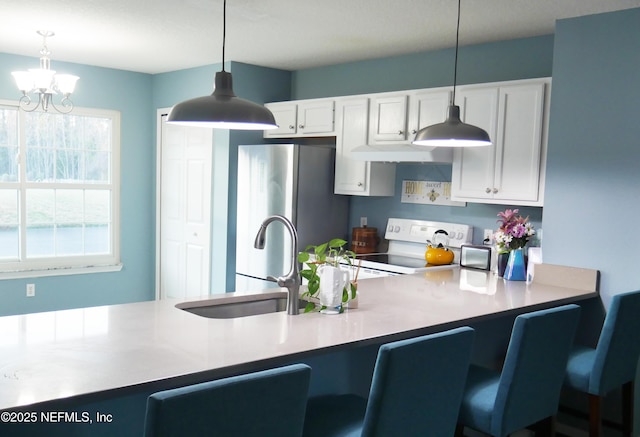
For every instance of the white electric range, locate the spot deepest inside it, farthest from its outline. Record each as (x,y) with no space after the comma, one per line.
(408,240)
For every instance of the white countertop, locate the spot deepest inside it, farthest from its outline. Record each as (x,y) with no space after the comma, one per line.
(53,355)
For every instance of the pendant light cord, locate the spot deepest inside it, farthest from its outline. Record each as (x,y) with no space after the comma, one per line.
(455,65)
(224,29)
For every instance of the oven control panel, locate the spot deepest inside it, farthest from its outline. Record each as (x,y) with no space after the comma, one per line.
(423,231)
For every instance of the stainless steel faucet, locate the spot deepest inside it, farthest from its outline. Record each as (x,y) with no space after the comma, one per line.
(292,280)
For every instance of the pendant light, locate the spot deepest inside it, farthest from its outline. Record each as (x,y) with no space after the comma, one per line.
(222,109)
(453,132)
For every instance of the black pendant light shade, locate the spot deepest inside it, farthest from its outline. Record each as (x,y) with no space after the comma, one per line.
(222,110)
(452,133)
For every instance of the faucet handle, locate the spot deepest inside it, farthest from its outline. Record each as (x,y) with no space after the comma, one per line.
(272,279)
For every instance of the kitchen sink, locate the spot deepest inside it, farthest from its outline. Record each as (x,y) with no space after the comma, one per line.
(231,307)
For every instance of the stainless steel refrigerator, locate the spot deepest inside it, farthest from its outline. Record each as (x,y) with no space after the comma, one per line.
(292,180)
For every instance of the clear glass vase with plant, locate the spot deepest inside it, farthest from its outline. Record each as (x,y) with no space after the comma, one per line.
(329,253)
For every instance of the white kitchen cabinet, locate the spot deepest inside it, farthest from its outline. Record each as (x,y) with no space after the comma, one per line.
(427,107)
(286,115)
(302,118)
(352,176)
(388,118)
(396,118)
(511,171)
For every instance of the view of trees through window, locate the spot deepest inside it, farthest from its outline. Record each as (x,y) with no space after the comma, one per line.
(56,187)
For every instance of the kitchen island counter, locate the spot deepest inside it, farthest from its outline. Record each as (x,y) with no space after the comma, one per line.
(63,354)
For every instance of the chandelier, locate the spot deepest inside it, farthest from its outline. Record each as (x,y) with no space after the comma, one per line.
(45,83)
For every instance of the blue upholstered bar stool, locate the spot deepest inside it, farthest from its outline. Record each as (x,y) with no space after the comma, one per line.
(415,391)
(267,403)
(612,363)
(527,390)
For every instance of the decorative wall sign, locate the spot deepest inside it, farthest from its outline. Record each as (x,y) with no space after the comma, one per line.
(428,193)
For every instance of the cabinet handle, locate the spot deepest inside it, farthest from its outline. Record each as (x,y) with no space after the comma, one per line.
(413,131)
(301,126)
(487,190)
(360,184)
(495,190)
(291,127)
(400,132)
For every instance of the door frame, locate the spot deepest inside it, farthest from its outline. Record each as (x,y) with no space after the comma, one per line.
(161,112)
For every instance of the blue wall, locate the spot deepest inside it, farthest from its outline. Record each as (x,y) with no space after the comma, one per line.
(593,182)
(130,93)
(507,60)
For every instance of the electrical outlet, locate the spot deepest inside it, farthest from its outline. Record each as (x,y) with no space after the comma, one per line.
(363,221)
(31,290)
(488,237)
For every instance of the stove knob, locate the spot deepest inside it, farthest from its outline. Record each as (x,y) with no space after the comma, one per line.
(396,228)
(390,228)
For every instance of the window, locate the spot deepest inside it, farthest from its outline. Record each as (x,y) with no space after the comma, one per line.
(59,190)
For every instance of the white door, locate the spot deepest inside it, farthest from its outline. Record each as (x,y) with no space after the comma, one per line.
(184,196)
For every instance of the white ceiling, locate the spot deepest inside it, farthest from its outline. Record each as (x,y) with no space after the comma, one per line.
(154,36)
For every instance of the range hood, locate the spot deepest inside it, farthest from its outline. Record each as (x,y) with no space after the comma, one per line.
(399,152)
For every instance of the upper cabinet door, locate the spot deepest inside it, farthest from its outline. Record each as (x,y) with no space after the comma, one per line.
(520,128)
(474,167)
(427,107)
(316,117)
(388,119)
(285,114)
(351,176)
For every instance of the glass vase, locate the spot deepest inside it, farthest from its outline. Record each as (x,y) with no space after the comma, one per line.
(516,267)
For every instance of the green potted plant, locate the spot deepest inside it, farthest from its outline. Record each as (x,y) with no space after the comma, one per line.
(316,259)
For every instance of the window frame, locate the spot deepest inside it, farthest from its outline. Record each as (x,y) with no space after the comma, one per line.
(68,265)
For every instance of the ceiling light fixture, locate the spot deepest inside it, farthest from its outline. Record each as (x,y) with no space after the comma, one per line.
(222,109)
(45,83)
(453,132)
